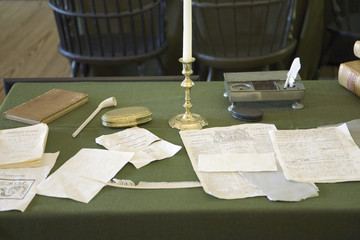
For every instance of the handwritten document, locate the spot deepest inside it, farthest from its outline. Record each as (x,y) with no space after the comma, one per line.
(71,180)
(326,154)
(146,146)
(17,185)
(23,147)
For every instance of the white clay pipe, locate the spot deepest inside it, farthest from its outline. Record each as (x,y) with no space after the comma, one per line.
(110,102)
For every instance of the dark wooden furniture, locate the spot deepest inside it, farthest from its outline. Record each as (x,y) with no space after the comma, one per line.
(237,35)
(110,32)
(343,31)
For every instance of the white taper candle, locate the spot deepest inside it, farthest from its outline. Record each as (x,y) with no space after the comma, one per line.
(187,32)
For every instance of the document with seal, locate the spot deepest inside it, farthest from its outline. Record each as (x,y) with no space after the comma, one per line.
(320,155)
(244,138)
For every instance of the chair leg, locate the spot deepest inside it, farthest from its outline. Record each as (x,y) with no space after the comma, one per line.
(210,74)
(139,68)
(160,66)
(81,69)
(84,70)
(74,68)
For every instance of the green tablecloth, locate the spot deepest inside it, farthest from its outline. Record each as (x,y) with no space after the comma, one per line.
(183,213)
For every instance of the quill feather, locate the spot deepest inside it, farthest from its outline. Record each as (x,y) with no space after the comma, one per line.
(123,183)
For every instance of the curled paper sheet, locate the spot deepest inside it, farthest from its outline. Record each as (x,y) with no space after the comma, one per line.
(277,188)
(69,181)
(146,146)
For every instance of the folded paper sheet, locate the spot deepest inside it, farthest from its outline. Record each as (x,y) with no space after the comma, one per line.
(23,146)
(146,146)
(326,154)
(71,179)
(277,188)
(17,185)
(235,162)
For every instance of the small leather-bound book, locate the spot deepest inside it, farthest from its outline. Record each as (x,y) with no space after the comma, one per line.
(47,107)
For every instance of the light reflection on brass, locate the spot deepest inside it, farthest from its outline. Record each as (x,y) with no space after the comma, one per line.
(188,120)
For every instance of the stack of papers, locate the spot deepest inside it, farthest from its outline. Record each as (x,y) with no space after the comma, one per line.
(258,160)
(23,147)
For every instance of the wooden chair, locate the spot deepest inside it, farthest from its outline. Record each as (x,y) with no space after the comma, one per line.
(110,32)
(343,31)
(235,35)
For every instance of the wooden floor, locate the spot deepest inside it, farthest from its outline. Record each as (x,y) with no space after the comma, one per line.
(28,42)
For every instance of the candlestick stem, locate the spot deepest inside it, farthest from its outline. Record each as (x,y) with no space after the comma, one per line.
(188,120)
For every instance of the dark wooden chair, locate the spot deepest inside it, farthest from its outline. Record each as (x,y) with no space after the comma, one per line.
(343,30)
(112,32)
(235,35)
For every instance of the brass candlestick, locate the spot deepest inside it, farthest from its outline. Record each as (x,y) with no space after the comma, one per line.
(188,120)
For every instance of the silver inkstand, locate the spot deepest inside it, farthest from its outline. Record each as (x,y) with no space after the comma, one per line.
(265,86)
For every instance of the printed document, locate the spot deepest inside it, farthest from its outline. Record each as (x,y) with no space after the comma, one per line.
(321,155)
(23,146)
(245,138)
(235,162)
(241,140)
(17,185)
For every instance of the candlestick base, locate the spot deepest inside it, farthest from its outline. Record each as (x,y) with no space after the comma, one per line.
(188,120)
(183,122)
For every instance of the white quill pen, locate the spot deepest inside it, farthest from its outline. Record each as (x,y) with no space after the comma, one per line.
(291,75)
(122,183)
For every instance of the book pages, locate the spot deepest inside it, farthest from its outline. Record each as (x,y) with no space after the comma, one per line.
(23,147)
